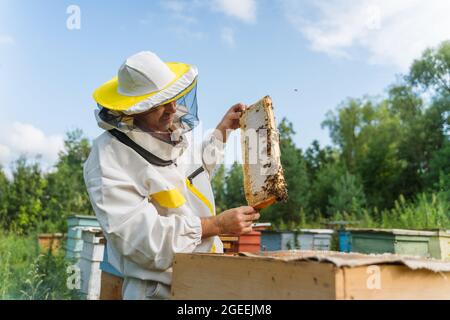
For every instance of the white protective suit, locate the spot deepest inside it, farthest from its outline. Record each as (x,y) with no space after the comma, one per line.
(148,213)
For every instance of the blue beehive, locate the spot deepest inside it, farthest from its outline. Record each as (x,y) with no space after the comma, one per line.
(275,240)
(105,266)
(76,224)
(345,241)
(315,239)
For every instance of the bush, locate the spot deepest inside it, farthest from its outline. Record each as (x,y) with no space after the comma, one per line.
(47,278)
(427,212)
(16,255)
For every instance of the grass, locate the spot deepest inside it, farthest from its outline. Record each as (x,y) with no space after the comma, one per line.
(426,212)
(28,273)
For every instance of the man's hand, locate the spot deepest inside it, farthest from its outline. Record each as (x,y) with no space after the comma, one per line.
(237,220)
(233,221)
(230,120)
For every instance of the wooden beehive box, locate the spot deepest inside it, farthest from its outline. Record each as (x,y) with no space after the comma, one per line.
(440,245)
(111,279)
(111,287)
(315,275)
(50,241)
(89,263)
(315,239)
(345,241)
(399,241)
(277,240)
(250,242)
(230,243)
(76,224)
(82,221)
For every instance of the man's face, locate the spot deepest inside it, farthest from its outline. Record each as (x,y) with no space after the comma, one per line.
(158,119)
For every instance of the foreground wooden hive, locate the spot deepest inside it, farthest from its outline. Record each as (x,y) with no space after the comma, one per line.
(264,181)
(285,275)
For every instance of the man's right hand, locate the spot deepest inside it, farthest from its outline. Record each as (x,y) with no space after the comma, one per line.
(233,221)
(237,220)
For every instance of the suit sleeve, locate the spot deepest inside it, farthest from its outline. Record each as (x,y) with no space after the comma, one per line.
(133,224)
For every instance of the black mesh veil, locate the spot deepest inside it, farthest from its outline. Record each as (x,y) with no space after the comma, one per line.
(186,117)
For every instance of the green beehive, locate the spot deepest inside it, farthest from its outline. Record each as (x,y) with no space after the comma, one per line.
(440,245)
(400,241)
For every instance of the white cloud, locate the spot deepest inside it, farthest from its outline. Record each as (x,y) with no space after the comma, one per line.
(175,5)
(182,11)
(6,39)
(5,154)
(393,32)
(244,10)
(185,10)
(25,139)
(182,14)
(227,36)
(186,16)
(186,33)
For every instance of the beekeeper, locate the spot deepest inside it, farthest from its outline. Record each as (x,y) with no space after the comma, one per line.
(151,197)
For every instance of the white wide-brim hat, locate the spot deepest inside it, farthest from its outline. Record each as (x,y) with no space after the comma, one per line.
(143,82)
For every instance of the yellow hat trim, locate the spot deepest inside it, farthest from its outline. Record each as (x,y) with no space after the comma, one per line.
(108,96)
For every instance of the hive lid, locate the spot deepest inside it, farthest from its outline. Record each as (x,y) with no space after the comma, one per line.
(405,232)
(80,216)
(80,220)
(317,231)
(341,259)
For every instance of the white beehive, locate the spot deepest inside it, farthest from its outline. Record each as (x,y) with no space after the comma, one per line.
(89,263)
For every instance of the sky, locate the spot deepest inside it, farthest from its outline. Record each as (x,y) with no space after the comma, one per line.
(309,56)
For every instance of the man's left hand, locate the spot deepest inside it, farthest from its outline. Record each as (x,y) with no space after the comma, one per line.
(230,120)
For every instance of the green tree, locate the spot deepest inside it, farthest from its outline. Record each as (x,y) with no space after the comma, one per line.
(66,191)
(438,176)
(347,195)
(432,70)
(234,190)
(25,197)
(413,139)
(295,172)
(345,127)
(218,185)
(436,122)
(316,158)
(322,188)
(4,193)
(368,135)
